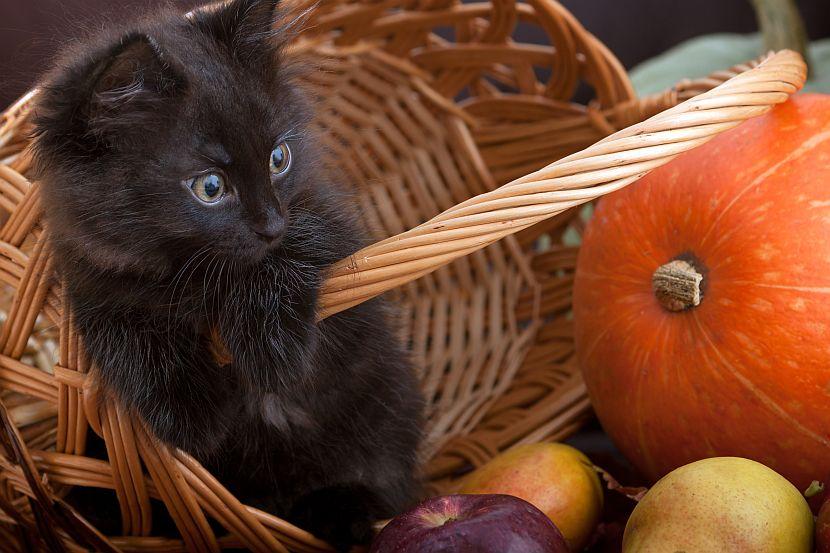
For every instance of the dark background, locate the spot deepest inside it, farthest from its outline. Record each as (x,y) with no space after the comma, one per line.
(31,31)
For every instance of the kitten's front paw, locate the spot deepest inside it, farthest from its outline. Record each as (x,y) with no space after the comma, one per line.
(198,434)
(340,515)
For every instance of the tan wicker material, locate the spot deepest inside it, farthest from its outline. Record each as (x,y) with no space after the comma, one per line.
(428,127)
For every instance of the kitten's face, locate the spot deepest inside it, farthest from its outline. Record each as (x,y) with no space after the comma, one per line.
(175,141)
(228,166)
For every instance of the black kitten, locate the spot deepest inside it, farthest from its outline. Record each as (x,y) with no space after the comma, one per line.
(184,200)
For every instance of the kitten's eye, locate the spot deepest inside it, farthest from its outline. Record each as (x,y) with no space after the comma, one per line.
(280,159)
(209,187)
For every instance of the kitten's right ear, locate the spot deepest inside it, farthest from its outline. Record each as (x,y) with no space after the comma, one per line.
(131,81)
(253,30)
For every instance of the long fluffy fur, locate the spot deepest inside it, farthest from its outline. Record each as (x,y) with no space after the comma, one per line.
(317,422)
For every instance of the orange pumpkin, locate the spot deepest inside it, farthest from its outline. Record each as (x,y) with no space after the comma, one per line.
(702,301)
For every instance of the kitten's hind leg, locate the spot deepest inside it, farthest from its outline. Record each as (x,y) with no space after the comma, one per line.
(342,515)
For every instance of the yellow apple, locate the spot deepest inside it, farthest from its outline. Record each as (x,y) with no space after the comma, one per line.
(558,479)
(719,505)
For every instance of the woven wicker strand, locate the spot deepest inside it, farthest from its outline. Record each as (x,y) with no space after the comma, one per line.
(427,125)
(609,165)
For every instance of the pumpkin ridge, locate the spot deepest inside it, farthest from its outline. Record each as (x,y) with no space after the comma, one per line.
(590,350)
(614,277)
(808,145)
(645,451)
(794,288)
(765,400)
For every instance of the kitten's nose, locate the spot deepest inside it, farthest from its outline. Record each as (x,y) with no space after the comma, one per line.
(271,229)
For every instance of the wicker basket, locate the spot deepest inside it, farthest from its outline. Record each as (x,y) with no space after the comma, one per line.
(430,126)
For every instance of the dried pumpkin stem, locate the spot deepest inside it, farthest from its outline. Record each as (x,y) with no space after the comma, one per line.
(677,285)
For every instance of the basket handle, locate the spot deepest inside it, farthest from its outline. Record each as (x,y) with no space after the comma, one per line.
(604,167)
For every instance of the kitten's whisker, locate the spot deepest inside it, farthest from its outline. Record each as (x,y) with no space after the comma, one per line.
(208,282)
(200,254)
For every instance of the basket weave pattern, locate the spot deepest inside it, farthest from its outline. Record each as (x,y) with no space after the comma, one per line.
(431,128)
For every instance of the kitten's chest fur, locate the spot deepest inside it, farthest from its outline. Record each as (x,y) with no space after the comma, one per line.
(286,415)
(262,320)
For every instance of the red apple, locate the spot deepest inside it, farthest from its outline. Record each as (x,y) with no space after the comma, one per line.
(823,528)
(486,523)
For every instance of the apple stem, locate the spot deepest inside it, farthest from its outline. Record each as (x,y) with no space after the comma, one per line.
(677,285)
(815,488)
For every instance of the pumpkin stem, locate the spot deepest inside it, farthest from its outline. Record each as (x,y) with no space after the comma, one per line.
(782,26)
(677,285)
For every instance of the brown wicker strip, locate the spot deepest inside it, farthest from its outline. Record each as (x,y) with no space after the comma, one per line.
(48,510)
(227,509)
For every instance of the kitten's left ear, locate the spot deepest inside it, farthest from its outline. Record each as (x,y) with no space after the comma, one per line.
(132,80)
(136,61)
(246,27)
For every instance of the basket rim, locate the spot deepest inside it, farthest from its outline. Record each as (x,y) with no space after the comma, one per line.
(608,165)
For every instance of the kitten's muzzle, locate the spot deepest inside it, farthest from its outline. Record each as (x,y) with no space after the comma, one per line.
(271,230)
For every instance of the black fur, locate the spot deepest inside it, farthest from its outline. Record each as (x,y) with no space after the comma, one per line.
(319,422)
